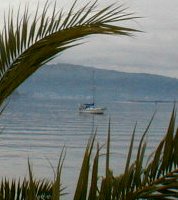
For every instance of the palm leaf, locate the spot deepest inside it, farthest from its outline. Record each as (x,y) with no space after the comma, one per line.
(94,179)
(82,185)
(32,189)
(21,189)
(56,189)
(159,180)
(29,42)
(106,184)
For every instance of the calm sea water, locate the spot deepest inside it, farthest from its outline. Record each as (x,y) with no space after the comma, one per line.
(39,126)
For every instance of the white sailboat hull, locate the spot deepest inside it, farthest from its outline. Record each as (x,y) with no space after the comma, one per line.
(94,110)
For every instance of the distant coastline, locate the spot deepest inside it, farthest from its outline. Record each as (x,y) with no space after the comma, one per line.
(63,80)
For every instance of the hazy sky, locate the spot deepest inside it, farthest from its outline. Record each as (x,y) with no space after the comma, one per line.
(154,51)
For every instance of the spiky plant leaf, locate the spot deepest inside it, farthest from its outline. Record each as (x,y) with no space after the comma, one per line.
(160,179)
(32,194)
(21,189)
(106,185)
(56,189)
(140,157)
(29,42)
(82,185)
(108,149)
(94,180)
(175,157)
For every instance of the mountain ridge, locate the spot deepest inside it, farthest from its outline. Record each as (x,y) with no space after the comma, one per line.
(66,79)
(68,65)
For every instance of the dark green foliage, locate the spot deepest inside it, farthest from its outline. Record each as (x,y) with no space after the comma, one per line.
(25,190)
(33,189)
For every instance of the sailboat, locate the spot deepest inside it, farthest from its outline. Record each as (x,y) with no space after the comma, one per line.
(91,107)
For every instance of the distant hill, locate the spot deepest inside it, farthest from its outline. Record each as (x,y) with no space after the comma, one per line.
(74,80)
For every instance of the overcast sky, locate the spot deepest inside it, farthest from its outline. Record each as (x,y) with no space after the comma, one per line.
(155,51)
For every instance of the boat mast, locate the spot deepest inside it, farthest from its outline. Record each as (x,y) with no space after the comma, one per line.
(94,87)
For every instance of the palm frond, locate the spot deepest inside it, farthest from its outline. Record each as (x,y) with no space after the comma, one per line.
(20,190)
(56,189)
(157,180)
(162,172)
(82,185)
(94,179)
(29,42)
